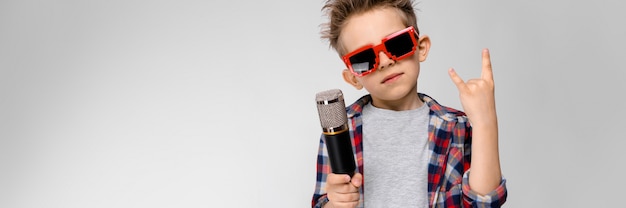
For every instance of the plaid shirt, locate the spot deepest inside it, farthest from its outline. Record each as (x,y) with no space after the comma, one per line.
(450,140)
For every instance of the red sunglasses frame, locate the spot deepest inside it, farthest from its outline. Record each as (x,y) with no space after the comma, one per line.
(381,47)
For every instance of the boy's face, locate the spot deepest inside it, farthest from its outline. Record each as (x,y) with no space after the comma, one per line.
(392,80)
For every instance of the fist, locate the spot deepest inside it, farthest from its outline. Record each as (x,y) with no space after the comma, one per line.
(343,191)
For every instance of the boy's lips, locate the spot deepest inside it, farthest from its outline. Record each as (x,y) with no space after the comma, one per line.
(391,78)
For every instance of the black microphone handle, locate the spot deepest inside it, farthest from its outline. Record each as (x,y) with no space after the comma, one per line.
(340,153)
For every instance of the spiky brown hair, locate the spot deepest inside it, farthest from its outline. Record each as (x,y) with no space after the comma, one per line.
(338,11)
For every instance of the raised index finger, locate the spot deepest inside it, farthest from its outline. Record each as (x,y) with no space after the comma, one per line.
(487,72)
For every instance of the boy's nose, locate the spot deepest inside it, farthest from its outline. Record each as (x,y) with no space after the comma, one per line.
(385,61)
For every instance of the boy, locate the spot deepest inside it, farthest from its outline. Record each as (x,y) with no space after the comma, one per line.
(410,151)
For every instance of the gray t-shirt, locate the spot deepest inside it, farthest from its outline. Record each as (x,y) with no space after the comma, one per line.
(395,157)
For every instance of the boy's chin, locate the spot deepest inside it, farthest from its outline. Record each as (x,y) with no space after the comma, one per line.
(395,95)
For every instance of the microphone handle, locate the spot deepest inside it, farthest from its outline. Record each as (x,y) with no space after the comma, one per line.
(340,153)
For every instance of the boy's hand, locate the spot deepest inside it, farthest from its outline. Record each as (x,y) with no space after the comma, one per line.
(477,98)
(343,191)
(477,95)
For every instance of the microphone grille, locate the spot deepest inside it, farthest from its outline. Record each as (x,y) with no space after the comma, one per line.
(331,108)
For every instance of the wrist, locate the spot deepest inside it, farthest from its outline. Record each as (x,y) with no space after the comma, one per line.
(484,122)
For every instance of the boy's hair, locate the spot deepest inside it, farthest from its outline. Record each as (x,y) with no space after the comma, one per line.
(338,11)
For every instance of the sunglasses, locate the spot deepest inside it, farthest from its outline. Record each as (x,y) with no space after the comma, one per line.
(396,46)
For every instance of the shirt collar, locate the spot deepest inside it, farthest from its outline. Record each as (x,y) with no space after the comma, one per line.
(437,109)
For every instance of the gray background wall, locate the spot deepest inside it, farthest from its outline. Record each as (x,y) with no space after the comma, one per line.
(210,104)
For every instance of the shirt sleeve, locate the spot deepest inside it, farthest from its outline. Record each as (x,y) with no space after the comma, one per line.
(323,169)
(495,198)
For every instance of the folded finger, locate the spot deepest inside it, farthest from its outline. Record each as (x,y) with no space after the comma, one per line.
(348,197)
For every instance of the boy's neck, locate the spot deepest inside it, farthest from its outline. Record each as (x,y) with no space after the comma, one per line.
(409,102)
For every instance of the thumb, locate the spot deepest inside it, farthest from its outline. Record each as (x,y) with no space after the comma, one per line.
(357,180)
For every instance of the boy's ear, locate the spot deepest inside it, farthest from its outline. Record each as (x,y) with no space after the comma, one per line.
(351,79)
(424,46)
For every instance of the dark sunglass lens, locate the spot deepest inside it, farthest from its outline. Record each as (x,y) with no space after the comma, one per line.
(363,61)
(400,45)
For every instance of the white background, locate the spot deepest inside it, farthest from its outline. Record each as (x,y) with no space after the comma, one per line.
(191,103)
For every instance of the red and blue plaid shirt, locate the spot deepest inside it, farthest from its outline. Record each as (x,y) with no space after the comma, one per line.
(450,140)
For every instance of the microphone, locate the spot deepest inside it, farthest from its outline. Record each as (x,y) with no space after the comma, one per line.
(332,112)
